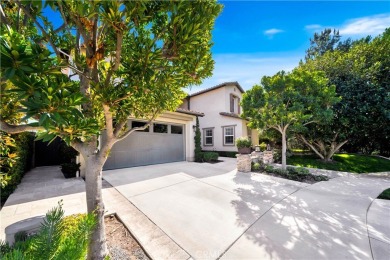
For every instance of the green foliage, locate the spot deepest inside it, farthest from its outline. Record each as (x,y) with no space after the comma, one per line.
(210,156)
(147,53)
(343,162)
(256,167)
(263,146)
(277,153)
(322,42)
(226,154)
(198,147)
(289,101)
(296,174)
(243,142)
(359,70)
(19,148)
(385,195)
(57,238)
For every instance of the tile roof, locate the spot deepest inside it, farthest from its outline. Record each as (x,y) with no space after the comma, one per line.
(189,112)
(230,114)
(219,86)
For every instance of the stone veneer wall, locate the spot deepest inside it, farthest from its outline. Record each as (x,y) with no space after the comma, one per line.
(244,162)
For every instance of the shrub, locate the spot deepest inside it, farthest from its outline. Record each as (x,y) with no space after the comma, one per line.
(243,142)
(263,146)
(69,169)
(277,155)
(269,168)
(256,166)
(20,148)
(197,139)
(57,238)
(210,156)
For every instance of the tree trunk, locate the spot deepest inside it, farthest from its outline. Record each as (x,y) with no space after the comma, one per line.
(284,149)
(93,185)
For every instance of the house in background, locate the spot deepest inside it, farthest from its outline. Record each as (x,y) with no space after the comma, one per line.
(221,123)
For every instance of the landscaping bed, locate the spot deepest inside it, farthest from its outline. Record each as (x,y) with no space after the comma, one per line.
(291,173)
(355,163)
(120,242)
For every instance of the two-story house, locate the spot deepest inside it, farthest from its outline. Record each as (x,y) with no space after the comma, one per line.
(221,123)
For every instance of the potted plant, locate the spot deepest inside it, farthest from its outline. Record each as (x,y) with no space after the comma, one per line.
(69,169)
(244,145)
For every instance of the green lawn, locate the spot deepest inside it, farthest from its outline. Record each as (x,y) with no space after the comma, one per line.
(385,195)
(343,162)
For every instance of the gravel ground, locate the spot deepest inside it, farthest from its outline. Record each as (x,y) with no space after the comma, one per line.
(121,244)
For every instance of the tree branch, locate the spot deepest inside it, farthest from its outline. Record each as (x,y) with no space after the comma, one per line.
(108,117)
(118,53)
(45,34)
(303,139)
(15,129)
(4,19)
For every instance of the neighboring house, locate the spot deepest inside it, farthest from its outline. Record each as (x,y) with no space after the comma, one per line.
(221,123)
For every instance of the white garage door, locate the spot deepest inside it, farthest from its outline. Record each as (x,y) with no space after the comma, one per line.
(162,143)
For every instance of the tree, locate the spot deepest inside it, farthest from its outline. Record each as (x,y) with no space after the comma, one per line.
(127,58)
(323,42)
(361,121)
(289,101)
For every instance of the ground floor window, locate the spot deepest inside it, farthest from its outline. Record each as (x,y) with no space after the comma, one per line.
(208,136)
(228,135)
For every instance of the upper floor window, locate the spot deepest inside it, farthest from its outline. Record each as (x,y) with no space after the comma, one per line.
(228,135)
(208,136)
(234,104)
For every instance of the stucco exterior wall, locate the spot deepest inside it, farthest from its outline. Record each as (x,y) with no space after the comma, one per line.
(211,104)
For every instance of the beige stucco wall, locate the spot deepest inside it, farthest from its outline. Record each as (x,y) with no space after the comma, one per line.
(211,104)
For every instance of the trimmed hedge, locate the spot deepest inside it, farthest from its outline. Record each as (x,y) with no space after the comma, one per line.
(210,156)
(23,149)
(227,154)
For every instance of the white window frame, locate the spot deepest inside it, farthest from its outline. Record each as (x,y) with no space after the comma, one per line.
(205,136)
(225,135)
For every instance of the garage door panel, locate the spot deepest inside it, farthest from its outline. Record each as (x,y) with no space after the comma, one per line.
(143,148)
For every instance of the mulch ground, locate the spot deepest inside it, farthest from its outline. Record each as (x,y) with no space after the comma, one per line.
(121,244)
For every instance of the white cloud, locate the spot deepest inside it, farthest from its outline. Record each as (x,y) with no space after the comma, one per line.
(359,27)
(271,32)
(247,69)
(369,25)
(313,27)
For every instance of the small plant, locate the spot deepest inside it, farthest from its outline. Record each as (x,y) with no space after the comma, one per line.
(263,146)
(256,166)
(69,169)
(243,142)
(197,139)
(269,168)
(277,155)
(57,238)
(210,156)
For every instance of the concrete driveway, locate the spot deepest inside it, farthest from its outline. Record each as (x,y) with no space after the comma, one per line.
(211,211)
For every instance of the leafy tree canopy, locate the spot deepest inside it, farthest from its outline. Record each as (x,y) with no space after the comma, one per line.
(289,101)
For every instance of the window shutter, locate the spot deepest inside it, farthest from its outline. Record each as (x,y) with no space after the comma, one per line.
(231,103)
(238,106)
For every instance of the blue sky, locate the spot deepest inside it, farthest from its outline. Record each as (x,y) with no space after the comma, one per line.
(257,38)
